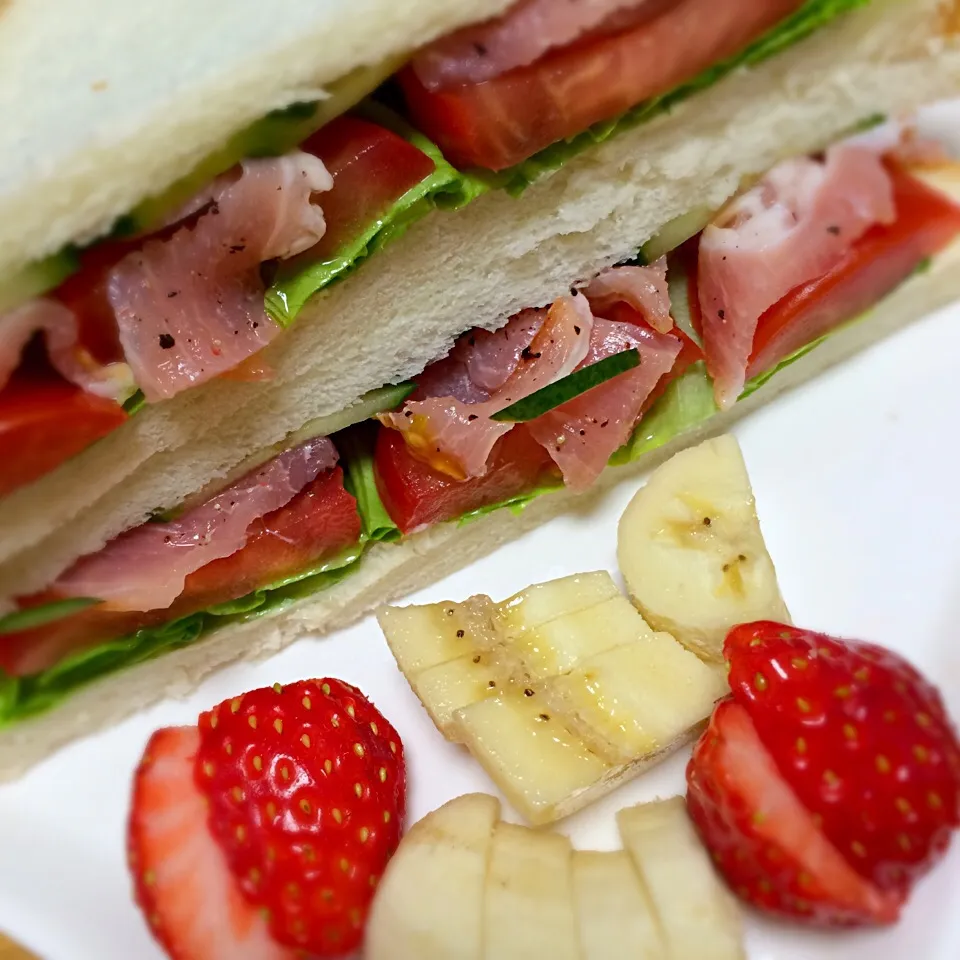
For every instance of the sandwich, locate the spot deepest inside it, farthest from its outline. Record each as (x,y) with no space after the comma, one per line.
(304,307)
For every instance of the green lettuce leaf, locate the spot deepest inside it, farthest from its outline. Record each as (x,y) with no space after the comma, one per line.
(44,614)
(805,21)
(356,457)
(446,188)
(686,402)
(22,697)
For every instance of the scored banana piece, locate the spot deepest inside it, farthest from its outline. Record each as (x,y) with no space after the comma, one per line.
(691,551)
(464,885)
(561,692)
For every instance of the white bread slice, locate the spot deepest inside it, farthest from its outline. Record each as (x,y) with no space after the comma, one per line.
(389,571)
(105,102)
(476,267)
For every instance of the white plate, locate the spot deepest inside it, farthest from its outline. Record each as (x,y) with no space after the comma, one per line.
(856,477)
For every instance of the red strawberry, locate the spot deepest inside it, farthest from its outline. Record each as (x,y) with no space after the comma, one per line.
(766,844)
(306,792)
(862,739)
(181,878)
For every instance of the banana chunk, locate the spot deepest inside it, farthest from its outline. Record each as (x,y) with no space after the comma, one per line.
(697,913)
(691,551)
(429,904)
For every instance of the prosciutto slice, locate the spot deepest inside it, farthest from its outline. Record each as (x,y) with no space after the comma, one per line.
(584,433)
(145,568)
(643,288)
(480,361)
(792,227)
(190,306)
(456,437)
(527,31)
(68,356)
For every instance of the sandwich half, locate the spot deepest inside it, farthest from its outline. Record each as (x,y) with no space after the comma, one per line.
(265,370)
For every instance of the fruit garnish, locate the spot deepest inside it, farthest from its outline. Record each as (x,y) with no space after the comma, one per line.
(863,740)
(264,831)
(691,550)
(181,879)
(764,841)
(830,781)
(560,692)
(465,885)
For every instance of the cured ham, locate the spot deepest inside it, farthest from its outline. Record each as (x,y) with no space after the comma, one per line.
(190,306)
(584,433)
(58,324)
(792,227)
(521,36)
(145,568)
(447,425)
(643,288)
(455,437)
(480,361)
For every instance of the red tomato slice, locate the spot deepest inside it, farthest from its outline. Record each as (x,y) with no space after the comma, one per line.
(881,260)
(371,168)
(85,293)
(875,265)
(321,520)
(44,421)
(415,495)
(500,122)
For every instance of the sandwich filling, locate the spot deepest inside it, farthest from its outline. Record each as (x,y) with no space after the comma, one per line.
(634,357)
(194,284)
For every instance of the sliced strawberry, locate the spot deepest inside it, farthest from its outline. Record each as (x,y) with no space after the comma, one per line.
(863,740)
(181,879)
(306,790)
(766,844)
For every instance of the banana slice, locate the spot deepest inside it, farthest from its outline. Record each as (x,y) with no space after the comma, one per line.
(528,906)
(429,904)
(691,551)
(696,913)
(614,914)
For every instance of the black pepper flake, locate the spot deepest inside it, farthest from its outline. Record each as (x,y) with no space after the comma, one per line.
(605,422)
(491,684)
(707,521)
(576,330)
(583,433)
(166,341)
(459,634)
(721,314)
(408,413)
(472,417)
(528,692)
(172,294)
(835,230)
(476,659)
(481,49)
(544,716)
(256,323)
(238,247)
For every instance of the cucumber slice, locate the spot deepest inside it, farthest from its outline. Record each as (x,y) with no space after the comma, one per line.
(37,278)
(675,233)
(44,614)
(559,392)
